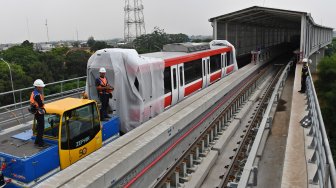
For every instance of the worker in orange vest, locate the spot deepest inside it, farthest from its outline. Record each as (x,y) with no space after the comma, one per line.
(304,75)
(37,108)
(104,90)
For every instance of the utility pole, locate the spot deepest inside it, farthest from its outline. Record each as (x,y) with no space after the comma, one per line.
(10,73)
(77,33)
(134,22)
(46,24)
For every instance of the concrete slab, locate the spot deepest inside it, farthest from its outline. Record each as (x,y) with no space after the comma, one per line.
(295,168)
(244,111)
(227,134)
(203,170)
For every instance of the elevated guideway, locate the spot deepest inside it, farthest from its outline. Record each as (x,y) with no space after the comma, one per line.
(203,141)
(221,136)
(141,156)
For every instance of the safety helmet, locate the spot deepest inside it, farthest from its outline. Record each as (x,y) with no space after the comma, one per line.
(102,70)
(305,60)
(39,83)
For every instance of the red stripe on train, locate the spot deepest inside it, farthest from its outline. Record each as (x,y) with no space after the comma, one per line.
(192,88)
(167,101)
(215,76)
(183,59)
(229,69)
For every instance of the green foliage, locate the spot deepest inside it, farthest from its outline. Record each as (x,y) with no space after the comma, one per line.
(76,62)
(91,41)
(154,41)
(331,48)
(98,45)
(326,90)
(21,55)
(27,44)
(27,65)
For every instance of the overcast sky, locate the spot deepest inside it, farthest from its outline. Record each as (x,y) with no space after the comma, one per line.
(104,19)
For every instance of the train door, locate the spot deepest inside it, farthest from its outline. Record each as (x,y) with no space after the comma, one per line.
(206,71)
(223,60)
(181,81)
(174,84)
(177,79)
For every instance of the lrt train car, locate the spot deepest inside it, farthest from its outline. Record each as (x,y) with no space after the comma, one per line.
(190,67)
(147,84)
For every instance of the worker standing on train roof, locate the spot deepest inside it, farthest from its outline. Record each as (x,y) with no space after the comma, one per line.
(104,90)
(37,108)
(304,75)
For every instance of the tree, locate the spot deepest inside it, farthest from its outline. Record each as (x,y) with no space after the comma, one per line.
(22,55)
(178,38)
(98,45)
(20,80)
(75,44)
(76,63)
(331,48)
(54,60)
(326,90)
(26,43)
(154,41)
(91,41)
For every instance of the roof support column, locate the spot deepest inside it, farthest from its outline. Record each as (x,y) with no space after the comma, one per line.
(303,35)
(215,29)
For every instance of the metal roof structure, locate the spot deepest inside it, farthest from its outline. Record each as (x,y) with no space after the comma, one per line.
(266,16)
(264,28)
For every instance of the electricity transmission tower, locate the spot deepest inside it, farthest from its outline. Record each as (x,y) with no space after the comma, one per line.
(134,25)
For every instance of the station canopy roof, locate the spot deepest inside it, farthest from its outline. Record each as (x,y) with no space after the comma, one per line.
(269,17)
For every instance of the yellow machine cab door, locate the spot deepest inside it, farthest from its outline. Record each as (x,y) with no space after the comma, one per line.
(80,135)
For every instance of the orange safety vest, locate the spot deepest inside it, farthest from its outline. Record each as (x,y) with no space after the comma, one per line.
(32,98)
(104,83)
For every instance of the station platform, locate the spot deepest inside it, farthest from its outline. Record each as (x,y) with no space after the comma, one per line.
(295,164)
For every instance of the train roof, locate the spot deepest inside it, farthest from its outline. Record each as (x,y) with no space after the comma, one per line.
(170,54)
(62,105)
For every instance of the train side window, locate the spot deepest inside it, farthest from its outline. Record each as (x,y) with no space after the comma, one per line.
(192,71)
(215,62)
(136,83)
(64,133)
(228,58)
(167,80)
(181,75)
(174,78)
(83,124)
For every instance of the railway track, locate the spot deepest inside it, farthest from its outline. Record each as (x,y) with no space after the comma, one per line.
(219,133)
(179,147)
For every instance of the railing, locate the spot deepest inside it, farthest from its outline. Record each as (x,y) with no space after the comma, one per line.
(325,174)
(17,111)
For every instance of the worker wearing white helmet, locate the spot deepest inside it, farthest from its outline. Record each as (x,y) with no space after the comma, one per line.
(37,108)
(104,90)
(304,75)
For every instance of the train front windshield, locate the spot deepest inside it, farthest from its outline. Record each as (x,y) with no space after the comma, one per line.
(80,126)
